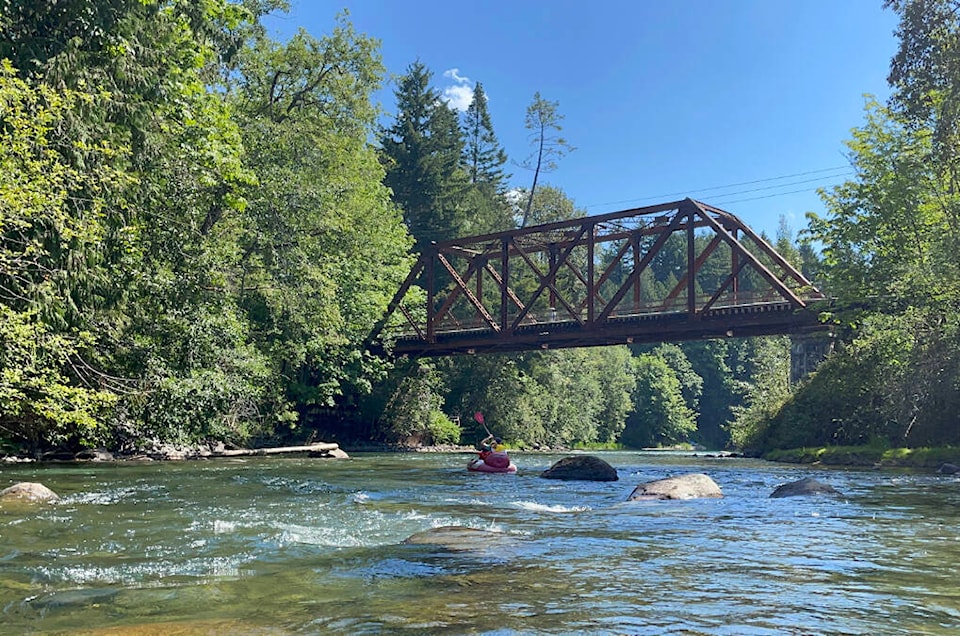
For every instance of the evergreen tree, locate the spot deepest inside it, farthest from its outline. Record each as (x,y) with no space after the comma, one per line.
(925,76)
(482,154)
(543,121)
(421,154)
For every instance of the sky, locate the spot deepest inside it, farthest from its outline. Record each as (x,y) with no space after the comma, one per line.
(742,104)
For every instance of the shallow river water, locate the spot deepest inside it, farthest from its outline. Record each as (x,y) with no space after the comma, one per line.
(315,546)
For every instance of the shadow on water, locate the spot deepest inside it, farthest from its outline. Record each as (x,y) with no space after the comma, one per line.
(296,545)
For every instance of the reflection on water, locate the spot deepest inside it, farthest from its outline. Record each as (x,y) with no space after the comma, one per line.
(298,545)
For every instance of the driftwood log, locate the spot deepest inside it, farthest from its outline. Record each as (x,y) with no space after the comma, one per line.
(312,448)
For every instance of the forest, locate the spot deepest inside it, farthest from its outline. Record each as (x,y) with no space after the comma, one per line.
(200,226)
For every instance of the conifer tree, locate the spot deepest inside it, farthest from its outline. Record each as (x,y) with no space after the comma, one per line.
(483,155)
(543,121)
(421,153)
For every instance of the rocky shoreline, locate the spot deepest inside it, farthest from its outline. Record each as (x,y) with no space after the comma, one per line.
(217,449)
(172,452)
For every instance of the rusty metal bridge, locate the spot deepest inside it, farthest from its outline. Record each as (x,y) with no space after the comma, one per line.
(676,271)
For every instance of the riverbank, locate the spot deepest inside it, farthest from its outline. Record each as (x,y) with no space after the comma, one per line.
(943,459)
(878,457)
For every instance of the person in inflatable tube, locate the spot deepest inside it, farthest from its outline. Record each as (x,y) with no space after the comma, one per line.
(491,444)
(493,457)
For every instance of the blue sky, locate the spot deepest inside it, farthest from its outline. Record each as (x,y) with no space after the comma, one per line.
(720,100)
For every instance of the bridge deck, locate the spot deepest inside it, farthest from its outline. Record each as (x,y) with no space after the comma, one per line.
(729,322)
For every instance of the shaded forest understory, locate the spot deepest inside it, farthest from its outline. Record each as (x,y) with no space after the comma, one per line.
(199,227)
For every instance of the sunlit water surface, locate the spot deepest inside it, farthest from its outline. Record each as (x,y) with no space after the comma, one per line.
(299,545)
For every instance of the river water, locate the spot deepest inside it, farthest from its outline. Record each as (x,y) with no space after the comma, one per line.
(315,546)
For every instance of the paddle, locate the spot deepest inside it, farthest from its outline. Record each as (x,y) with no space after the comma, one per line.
(479,417)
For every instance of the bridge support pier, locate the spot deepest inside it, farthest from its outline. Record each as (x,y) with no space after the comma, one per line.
(807,351)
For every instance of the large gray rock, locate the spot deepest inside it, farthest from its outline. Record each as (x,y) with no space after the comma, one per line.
(95,455)
(802,487)
(581,467)
(28,491)
(335,453)
(689,486)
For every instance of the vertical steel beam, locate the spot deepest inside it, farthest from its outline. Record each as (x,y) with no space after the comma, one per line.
(505,283)
(552,282)
(591,273)
(691,266)
(635,242)
(735,267)
(481,261)
(431,284)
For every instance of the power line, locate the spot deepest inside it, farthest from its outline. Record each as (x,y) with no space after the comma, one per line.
(770,196)
(780,185)
(734,185)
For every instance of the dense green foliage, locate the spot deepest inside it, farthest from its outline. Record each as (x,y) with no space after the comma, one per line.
(199,226)
(889,247)
(184,210)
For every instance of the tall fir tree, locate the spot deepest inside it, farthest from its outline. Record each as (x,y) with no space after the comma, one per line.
(483,155)
(421,154)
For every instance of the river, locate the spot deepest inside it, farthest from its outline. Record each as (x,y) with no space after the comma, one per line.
(288,545)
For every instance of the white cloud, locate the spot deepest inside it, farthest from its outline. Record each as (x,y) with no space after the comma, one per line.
(459,95)
(454,74)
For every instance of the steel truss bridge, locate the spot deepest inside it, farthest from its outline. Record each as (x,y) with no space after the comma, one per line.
(676,271)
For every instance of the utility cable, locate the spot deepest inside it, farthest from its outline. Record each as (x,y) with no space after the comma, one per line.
(662,197)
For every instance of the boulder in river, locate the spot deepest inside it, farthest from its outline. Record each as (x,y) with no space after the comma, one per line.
(801,487)
(335,453)
(688,486)
(581,467)
(95,455)
(28,491)
(458,538)
(948,469)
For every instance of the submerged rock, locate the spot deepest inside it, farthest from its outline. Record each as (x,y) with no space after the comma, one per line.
(458,538)
(689,486)
(29,491)
(581,467)
(805,486)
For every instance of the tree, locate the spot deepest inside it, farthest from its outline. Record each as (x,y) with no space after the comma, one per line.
(421,153)
(890,241)
(887,234)
(141,289)
(691,384)
(660,416)
(713,362)
(483,160)
(766,389)
(551,204)
(925,75)
(35,32)
(322,247)
(50,232)
(194,234)
(543,121)
(413,415)
(483,155)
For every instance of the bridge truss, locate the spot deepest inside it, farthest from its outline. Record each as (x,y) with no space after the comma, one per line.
(676,271)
